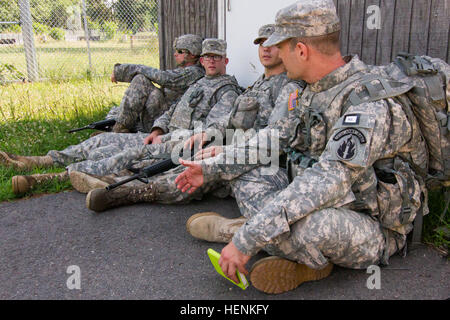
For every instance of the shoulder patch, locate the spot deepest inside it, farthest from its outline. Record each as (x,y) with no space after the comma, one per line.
(293,100)
(351,132)
(347,149)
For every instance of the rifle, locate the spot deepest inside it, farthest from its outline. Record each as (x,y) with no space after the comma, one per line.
(103,125)
(147,172)
(150,171)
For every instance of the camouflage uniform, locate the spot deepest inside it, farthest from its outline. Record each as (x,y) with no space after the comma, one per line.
(352,195)
(166,191)
(143,102)
(209,101)
(266,101)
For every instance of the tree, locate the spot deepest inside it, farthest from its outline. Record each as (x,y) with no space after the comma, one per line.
(136,15)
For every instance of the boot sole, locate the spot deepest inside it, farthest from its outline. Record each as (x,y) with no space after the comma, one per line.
(20,185)
(83,183)
(276,275)
(6,160)
(88,201)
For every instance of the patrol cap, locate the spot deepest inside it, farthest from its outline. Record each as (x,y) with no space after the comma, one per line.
(264,33)
(306,18)
(214,46)
(190,42)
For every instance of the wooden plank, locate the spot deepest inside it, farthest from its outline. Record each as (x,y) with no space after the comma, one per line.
(355,36)
(180,17)
(439,29)
(402,27)
(344,16)
(369,41)
(161,37)
(420,22)
(386,33)
(212,19)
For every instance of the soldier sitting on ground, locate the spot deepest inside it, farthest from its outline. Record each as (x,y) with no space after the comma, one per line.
(143,103)
(263,103)
(351,195)
(209,101)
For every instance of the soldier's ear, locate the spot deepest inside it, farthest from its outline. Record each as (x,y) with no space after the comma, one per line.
(226,61)
(302,51)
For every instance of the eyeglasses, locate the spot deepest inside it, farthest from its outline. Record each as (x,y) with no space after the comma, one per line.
(212,58)
(182,51)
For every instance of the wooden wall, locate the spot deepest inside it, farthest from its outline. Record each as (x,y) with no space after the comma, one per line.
(416,26)
(178,17)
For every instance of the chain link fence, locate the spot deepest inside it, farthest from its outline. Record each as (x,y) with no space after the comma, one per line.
(67,39)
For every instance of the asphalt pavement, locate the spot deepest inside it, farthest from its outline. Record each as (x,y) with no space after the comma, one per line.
(53,247)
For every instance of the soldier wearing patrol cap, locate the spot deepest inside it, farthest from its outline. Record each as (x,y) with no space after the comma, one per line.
(209,102)
(143,102)
(262,97)
(254,109)
(350,193)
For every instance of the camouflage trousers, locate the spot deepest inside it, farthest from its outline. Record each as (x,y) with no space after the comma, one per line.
(102,153)
(337,235)
(141,105)
(166,191)
(110,153)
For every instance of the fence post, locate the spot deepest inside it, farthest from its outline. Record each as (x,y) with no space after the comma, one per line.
(28,39)
(86,35)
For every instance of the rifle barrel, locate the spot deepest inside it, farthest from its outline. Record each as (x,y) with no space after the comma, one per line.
(78,129)
(118,184)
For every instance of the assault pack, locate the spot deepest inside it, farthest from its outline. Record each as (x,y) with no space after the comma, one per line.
(425,82)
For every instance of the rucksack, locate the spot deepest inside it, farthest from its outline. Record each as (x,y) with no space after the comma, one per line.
(430,98)
(428,95)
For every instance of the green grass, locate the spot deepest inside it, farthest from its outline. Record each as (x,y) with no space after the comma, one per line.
(35,118)
(69,60)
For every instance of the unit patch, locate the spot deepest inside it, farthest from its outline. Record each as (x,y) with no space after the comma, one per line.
(347,149)
(351,139)
(353,132)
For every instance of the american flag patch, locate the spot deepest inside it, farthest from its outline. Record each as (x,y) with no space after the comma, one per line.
(293,100)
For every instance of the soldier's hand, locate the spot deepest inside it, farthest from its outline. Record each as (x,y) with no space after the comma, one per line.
(191,178)
(113,78)
(199,139)
(157,140)
(208,152)
(154,137)
(231,259)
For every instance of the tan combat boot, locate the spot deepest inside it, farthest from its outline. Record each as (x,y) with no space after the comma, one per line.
(25,162)
(83,182)
(120,128)
(277,275)
(23,184)
(212,227)
(100,200)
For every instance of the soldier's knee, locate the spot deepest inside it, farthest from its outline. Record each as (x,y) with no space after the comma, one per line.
(142,80)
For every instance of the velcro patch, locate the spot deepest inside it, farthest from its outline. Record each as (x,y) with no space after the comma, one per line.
(293,100)
(351,119)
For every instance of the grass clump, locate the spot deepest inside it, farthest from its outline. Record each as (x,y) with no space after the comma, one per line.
(35,118)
